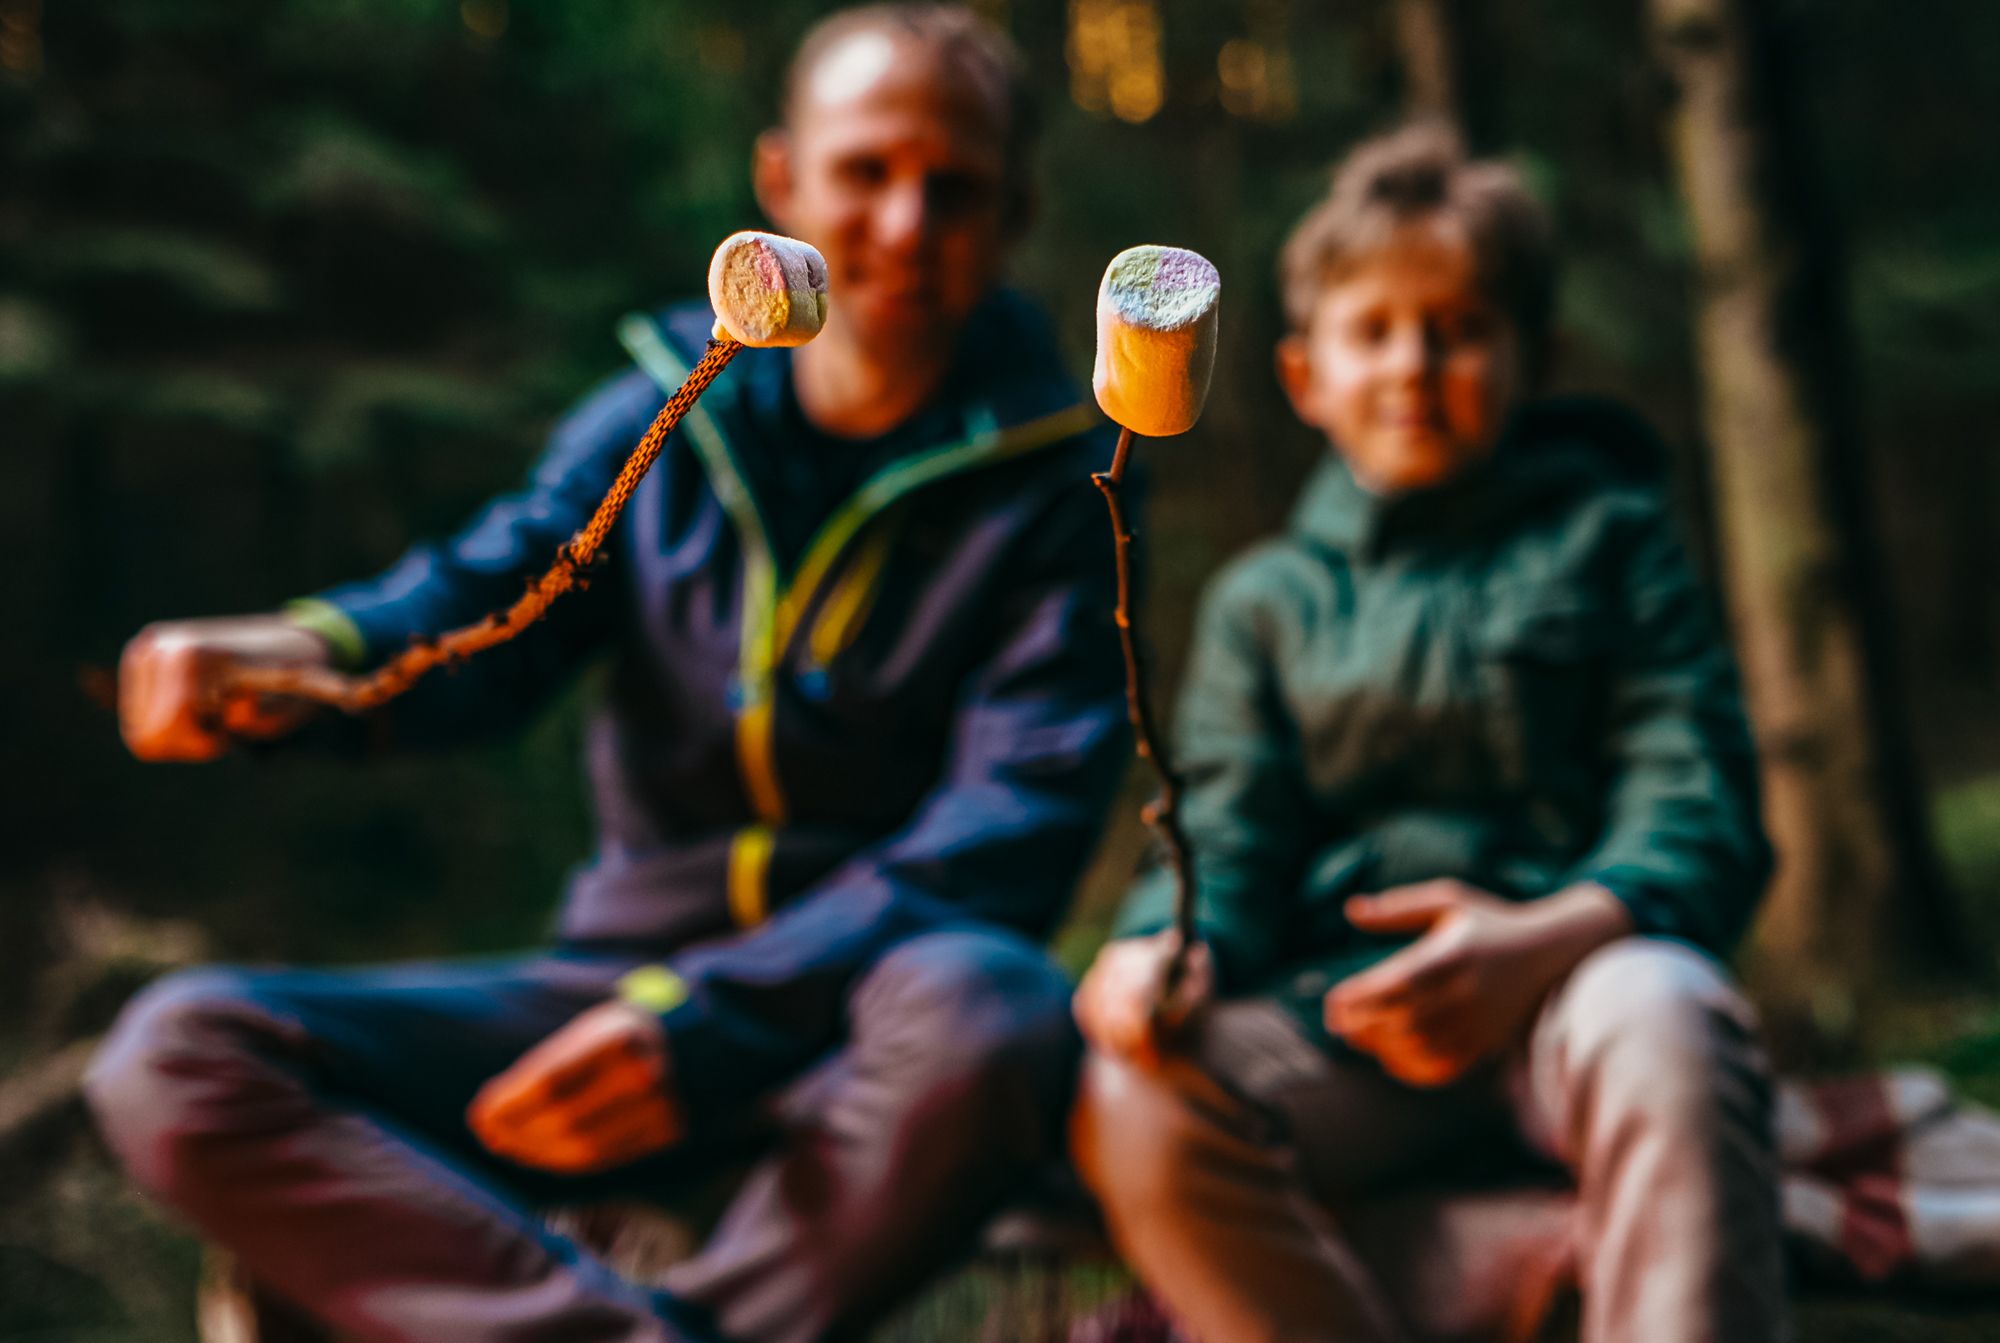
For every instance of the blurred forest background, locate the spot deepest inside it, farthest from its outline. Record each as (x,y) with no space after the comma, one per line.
(284,286)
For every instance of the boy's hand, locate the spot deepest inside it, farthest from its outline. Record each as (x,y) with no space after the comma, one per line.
(1119,1005)
(592,1096)
(1466,988)
(173,699)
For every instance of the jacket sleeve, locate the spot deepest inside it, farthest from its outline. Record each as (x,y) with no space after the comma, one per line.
(1682,845)
(1036,751)
(1246,807)
(437,587)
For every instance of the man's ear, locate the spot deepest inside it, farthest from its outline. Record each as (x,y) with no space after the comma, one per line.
(771,175)
(1293,358)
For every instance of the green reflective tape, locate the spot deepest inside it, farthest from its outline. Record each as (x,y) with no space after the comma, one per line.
(652,987)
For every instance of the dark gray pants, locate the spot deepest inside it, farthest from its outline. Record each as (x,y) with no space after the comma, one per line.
(312,1122)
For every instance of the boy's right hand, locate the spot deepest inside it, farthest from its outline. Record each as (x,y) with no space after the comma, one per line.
(173,684)
(1120,1006)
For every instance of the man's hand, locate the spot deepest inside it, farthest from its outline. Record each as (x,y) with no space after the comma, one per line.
(592,1096)
(1119,1006)
(1465,989)
(173,697)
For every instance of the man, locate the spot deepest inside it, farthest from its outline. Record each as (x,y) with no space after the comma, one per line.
(851,760)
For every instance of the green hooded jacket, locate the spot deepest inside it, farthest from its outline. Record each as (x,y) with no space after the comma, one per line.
(1513,679)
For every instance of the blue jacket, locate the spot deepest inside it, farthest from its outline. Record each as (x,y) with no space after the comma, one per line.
(918,723)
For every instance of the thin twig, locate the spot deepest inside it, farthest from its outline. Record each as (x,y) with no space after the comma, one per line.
(1163,812)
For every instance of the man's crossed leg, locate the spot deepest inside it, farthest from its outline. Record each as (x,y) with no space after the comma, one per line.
(313,1122)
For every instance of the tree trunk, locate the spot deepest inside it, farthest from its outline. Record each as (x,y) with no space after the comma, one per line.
(1424,34)
(1856,890)
(1448,60)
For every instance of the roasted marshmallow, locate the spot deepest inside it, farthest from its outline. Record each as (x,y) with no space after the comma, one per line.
(1156,316)
(767,290)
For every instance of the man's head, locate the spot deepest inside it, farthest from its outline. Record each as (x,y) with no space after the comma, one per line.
(1419,294)
(902,154)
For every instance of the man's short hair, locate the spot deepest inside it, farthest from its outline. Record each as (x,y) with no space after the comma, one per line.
(961,37)
(1405,177)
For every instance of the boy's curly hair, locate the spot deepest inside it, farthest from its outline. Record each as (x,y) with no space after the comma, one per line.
(1419,172)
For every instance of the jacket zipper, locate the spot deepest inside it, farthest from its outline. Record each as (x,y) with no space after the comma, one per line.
(772,610)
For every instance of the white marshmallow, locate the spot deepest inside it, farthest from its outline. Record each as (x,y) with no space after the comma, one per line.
(767,290)
(1156,321)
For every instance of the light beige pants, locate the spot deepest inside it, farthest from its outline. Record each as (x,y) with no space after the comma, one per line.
(1222,1175)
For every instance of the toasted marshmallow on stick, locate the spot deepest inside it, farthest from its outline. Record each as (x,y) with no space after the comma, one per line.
(767,290)
(1156,316)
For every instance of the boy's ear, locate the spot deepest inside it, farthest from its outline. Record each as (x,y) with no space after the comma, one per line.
(771,175)
(1295,373)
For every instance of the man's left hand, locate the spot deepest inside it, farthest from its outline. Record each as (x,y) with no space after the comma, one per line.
(594,1095)
(1465,989)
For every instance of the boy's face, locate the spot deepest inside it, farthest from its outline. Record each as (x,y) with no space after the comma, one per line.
(894,166)
(1406,366)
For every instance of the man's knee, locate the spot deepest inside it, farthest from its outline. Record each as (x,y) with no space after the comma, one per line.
(176,1068)
(972,1023)
(967,970)
(965,993)
(172,1019)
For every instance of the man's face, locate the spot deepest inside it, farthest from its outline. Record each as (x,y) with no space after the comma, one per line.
(1407,367)
(894,166)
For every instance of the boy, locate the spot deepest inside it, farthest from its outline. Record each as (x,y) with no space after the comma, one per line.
(1473,806)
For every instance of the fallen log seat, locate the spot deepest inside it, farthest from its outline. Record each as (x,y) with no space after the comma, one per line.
(1468,1267)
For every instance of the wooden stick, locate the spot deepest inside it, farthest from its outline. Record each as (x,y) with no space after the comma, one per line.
(1163,812)
(359,694)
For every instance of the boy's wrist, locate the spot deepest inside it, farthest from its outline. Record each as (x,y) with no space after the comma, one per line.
(1576,921)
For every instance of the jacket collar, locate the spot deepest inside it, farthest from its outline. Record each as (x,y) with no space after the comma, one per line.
(1550,449)
(1338,511)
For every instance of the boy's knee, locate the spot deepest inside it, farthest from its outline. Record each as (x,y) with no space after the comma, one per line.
(1132,1138)
(1663,993)
(1651,1025)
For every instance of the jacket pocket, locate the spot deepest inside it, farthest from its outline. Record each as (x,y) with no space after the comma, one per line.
(1544,666)
(1546,627)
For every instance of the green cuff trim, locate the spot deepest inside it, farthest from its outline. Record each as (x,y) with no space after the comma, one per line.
(329,622)
(652,987)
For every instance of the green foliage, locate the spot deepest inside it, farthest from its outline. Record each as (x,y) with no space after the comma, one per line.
(331,164)
(204,275)
(367,410)
(33,340)
(201,399)
(1932,314)
(50,1301)
(1965,818)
